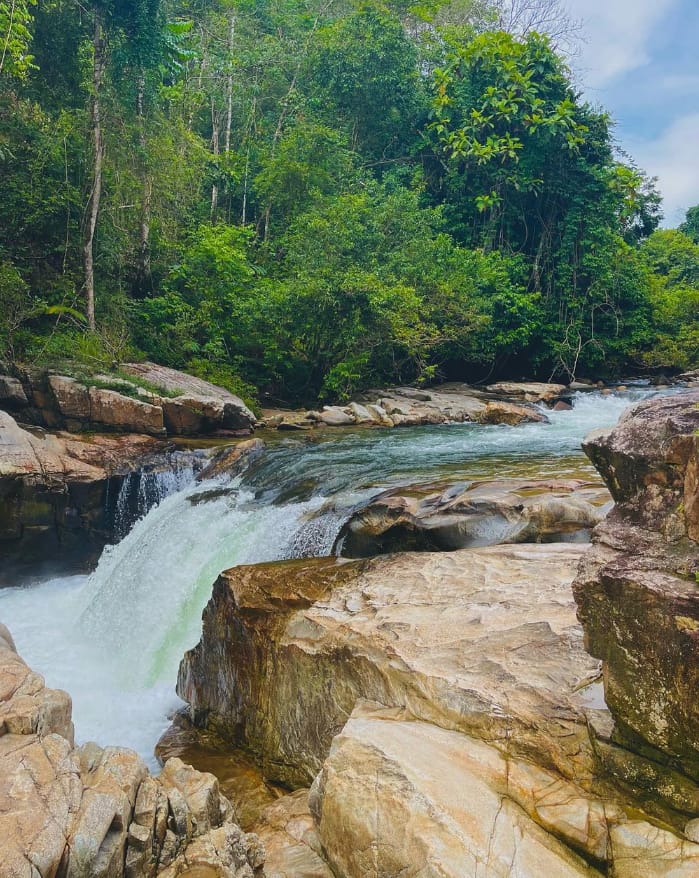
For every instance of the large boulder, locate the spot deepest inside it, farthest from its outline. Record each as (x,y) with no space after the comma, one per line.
(484,641)
(95,812)
(139,398)
(192,405)
(637,592)
(445,711)
(529,391)
(471,515)
(82,407)
(399,797)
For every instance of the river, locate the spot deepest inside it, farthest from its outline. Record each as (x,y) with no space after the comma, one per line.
(114,639)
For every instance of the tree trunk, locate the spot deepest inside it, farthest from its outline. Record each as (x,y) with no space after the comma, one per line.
(216,149)
(93,204)
(143,264)
(229,89)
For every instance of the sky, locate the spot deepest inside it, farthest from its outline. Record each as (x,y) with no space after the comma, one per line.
(640,61)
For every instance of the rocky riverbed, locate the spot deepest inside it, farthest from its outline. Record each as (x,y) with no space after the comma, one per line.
(403,690)
(431,713)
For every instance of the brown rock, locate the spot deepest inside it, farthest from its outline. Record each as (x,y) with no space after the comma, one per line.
(291,841)
(443,804)
(94,812)
(54,490)
(306,639)
(636,592)
(511,414)
(334,416)
(12,395)
(27,707)
(108,408)
(218,407)
(487,513)
(530,391)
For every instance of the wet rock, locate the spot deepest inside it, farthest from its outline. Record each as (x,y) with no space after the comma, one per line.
(636,591)
(54,492)
(488,513)
(531,391)
(231,460)
(510,414)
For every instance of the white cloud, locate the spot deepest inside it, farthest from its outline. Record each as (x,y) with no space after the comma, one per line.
(616,33)
(672,158)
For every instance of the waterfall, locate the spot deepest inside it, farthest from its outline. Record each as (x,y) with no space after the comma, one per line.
(142,490)
(114,639)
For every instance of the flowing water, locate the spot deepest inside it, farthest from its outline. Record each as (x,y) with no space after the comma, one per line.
(114,639)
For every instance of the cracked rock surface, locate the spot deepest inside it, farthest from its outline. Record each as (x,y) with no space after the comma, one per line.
(445,713)
(93,812)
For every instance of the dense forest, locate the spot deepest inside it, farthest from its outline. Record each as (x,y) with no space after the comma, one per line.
(301,198)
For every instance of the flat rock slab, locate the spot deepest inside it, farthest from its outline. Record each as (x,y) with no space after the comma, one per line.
(56,457)
(484,641)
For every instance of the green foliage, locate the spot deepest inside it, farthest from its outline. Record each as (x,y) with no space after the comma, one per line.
(225,376)
(308,199)
(690,226)
(16,308)
(15,38)
(365,70)
(673,258)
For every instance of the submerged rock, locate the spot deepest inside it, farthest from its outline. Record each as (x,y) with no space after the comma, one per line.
(96,811)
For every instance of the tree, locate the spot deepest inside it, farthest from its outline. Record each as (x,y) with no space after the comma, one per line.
(16,37)
(690,226)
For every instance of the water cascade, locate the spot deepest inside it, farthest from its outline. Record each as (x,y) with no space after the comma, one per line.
(114,639)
